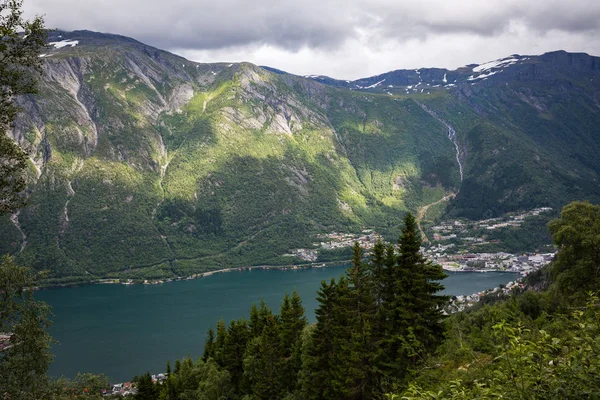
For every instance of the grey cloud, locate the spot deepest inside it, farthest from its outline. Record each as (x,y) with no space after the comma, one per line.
(206,24)
(487,18)
(569,17)
(316,24)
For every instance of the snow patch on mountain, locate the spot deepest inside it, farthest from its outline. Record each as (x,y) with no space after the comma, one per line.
(483,76)
(64,43)
(375,85)
(503,62)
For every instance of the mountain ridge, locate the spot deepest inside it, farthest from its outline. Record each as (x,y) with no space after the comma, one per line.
(178,167)
(409,77)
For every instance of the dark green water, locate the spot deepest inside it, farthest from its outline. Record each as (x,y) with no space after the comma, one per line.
(122,331)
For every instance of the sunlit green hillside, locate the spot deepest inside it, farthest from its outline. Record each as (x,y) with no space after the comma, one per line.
(147,165)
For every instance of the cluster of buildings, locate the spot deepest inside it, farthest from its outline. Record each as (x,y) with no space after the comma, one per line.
(483,262)
(453,256)
(305,254)
(329,241)
(466,234)
(120,389)
(457,255)
(460,303)
(334,240)
(458,229)
(128,388)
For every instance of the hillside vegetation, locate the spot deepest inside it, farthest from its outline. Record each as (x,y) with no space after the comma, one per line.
(379,334)
(145,165)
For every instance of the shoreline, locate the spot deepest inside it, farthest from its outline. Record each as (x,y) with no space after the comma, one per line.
(483,271)
(130,281)
(290,267)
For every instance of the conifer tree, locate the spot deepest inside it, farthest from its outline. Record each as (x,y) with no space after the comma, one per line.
(389,278)
(209,345)
(342,334)
(168,390)
(361,286)
(381,262)
(425,284)
(188,378)
(254,323)
(317,363)
(292,322)
(146,389)
(377,267)
(261,361)
(357,350)
(258,318)
(414,322)
(234,349)
(220,343)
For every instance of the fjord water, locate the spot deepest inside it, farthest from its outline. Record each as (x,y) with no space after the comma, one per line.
(123,331)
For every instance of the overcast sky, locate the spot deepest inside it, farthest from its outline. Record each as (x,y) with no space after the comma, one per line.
(345,39)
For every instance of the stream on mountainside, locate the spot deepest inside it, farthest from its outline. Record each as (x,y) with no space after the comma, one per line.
(451,136)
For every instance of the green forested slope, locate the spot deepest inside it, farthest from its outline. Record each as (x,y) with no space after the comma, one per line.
(147,165)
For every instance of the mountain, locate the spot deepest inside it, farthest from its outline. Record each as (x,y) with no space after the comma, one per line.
(147,165)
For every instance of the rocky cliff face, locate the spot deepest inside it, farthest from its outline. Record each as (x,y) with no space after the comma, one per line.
(144,164)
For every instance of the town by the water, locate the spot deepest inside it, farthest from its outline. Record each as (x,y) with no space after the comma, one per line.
(452,245)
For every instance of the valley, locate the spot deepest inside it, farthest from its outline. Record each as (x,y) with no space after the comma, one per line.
(297,201)
(181,168)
